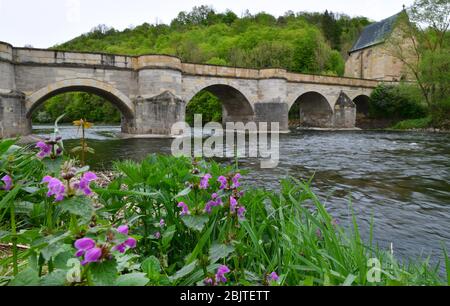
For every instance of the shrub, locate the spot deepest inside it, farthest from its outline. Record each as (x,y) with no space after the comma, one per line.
(396,102)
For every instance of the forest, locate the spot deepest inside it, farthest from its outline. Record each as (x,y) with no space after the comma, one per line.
(315,43)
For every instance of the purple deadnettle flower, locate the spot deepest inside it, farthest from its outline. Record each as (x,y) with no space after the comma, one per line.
(85,181)
(162,223)
(55,188)
(184,209)
(223,182)
(45,149)
(241,212)
(86,247)
(208,281)
(204,183)
(273,277)
(92,255)
(131,243)
(233,205)
(235,180)
(220,275)
(157,235)
(83,245)
(123,229)
(8,183)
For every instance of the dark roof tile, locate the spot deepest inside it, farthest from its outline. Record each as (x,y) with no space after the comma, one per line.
(375,33)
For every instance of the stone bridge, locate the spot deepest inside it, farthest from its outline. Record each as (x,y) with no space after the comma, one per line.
(152,91)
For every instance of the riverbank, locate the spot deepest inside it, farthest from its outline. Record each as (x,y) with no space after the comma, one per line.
(187,220)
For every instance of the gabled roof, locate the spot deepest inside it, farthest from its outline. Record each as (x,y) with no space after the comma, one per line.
(376,33)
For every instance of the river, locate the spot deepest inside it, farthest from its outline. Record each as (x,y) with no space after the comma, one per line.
(401,179)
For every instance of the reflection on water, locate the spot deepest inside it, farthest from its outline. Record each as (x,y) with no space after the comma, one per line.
(401,179)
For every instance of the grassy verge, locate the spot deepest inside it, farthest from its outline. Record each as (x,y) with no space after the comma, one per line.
(421,123)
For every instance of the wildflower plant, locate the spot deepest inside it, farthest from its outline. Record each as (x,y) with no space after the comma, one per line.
(175,221)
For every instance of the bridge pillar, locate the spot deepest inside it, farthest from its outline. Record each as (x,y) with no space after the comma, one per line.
(157,115)
(344,112)
(13,119)
(272,106)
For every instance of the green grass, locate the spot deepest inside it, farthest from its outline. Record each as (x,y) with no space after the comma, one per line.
(421,123)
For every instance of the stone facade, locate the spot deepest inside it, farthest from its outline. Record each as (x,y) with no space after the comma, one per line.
(152,91)
(373,56)
(375,63)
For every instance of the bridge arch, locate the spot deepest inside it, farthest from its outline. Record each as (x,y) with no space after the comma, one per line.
(312,109)
(235,104)
(102,89)
(362,104)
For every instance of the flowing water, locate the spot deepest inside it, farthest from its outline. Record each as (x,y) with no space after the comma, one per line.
(401,180)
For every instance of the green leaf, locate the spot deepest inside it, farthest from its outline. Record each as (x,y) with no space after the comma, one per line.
(6,144)
(198,248)
(104,273)
(4,234)
(168,236)
(28,277)
(349,280)
(184,271)
(56,278)
(195,222)
(60,261)
(55,246)
(80,206)
(24,208)
(183,193)
(152,267)
(132,279)
(219,251)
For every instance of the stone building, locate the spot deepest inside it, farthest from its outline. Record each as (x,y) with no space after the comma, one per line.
(371,57)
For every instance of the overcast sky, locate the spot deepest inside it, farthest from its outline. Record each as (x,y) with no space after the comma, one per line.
(44,23)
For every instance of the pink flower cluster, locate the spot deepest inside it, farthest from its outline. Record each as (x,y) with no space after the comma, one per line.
(129,243)
(58,190)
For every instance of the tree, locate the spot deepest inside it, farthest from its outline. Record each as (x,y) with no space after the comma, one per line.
(421,43)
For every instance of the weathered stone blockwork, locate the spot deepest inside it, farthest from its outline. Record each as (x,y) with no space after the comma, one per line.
(152,91)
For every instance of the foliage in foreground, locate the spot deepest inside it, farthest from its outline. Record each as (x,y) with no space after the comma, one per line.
(172,221)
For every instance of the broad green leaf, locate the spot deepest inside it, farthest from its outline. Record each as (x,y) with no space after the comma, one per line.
(152,267)
(28,277)
(195,222)
(60,260)
(55,246)
(219,251)
(133,279)
(183,193)
(184,271)
(56,278)
(80,206)
(6,144)
(104,273)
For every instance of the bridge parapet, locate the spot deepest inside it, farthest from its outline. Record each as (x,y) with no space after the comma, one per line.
(6,51)
(49,57)
(157,61)
(330,80)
